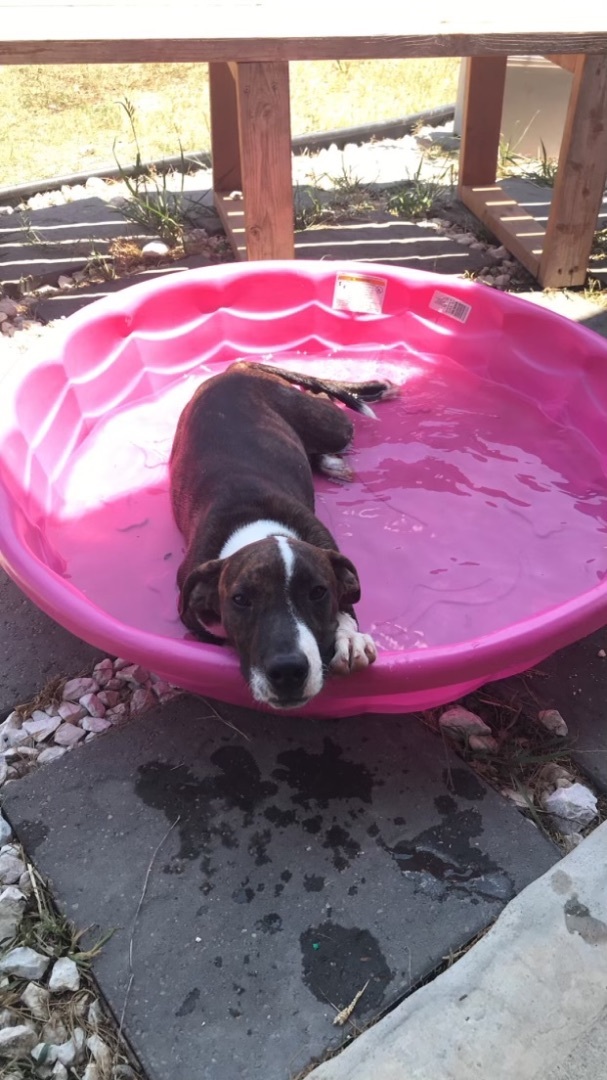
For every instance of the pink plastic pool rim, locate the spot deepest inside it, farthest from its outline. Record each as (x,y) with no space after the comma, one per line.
(477,519)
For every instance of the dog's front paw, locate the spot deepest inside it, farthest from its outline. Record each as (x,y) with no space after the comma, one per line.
(353,650)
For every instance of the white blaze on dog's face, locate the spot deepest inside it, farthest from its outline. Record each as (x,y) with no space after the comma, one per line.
(278,601)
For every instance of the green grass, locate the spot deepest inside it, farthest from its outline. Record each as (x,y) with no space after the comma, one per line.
(61,120)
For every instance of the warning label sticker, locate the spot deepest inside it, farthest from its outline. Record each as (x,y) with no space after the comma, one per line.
(363,293)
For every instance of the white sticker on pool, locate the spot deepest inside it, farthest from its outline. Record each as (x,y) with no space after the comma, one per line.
(451,306)
(363,293)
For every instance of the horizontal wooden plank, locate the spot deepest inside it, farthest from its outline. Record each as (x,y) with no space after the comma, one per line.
(520,233)
(126,31)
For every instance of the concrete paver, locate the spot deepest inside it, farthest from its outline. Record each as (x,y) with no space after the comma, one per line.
(297,861)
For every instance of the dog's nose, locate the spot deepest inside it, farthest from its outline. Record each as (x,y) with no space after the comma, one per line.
(288,672)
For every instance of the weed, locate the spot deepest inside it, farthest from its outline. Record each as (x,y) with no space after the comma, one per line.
(418,198)
(153,204)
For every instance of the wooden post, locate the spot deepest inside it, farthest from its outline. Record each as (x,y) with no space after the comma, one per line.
(262,91)
(225,144)
(580,181)
(482,119)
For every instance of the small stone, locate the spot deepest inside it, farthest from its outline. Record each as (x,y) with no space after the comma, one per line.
(12,733)
(8,307)
(109,698)
(118,713)
(12,904)
(120,663)
(502,281)
(563,783)
(51,753)
(552,721)
(93,705)
(3,769)
(46,290)
(602,654)
(5,831)
(11,868)
(141,700)
(460,721)
(74,689)
(70,1052)
(72,711)
(163,690)
(54,1031)
(59,1071)
(95,1014)
(517,797)
(68,735)
(551,773)
(571,808)
(36,999)
(17,1041)
(64,281)
(41,725)
(101,1053)
(114,684)
(7,329)
(91,1072)
(134,674)
(103,671)
(44,1054)
(94,725)
(571,841)
(17,753)
(154,249)
(499,253)
(24,963)
(483,744)
(64,976)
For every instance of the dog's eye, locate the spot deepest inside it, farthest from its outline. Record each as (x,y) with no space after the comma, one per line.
(240,600)
(318,592)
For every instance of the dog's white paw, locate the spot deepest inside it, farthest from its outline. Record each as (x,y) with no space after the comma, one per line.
(335,467)
(353,650)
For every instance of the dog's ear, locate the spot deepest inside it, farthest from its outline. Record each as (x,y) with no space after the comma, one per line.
(348,585)
(199,596)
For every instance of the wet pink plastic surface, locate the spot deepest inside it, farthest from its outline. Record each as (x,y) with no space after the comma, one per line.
(477,520)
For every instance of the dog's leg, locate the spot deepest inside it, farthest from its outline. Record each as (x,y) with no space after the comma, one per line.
(353,650)
(333,466)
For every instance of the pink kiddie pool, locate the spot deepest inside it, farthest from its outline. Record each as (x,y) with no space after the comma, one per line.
(477,520)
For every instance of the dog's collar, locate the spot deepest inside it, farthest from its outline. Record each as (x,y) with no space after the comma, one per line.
(252,532)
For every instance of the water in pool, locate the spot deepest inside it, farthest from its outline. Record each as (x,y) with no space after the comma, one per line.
(466,498)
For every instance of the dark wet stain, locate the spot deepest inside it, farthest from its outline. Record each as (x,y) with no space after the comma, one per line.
(445,805)
(313,883)
(464,784)
(218,961)
(189,1003)
(258,846)
(400,821)
(312,825)
(344,847)
(353,890)
(278,889)
(338,961)
(244,894)
(286,876)
(32,834)
(442,860)
(239,990)
(200,803)
(320,778)
(280,818)
(579,920)
(270,924)
(234,1013)
(373,830)
(261,887)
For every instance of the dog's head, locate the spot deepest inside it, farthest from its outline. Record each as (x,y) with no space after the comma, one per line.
(277,601)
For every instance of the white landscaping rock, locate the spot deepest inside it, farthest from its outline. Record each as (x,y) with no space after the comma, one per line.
(483,744)
(109,698)
(103,671)
(3,769)
(68,735)
(154,249)
(59,1071)
(40,726)
(91,1072)
(64,976)
(74,689)
(72,711)
(132,673)
(572,808)
(51,753)
(11,868)
(552,721)
(101,1053)
(95,724)
(142,700)
(5,831)
(12,904)
(11,732)
(17,1041)
(118,713)
(93,705)
(24,963)
(36,999)
(70,1052)
(459,721)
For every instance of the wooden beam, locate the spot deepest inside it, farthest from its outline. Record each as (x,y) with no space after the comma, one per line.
(225,144)
(569,63)
(482,119)
(265,156)
(520,233)
(580,180)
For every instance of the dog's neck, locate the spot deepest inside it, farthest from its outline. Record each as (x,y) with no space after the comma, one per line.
(252,532)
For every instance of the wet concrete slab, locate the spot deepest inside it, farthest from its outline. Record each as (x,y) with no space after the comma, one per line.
(258,871)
